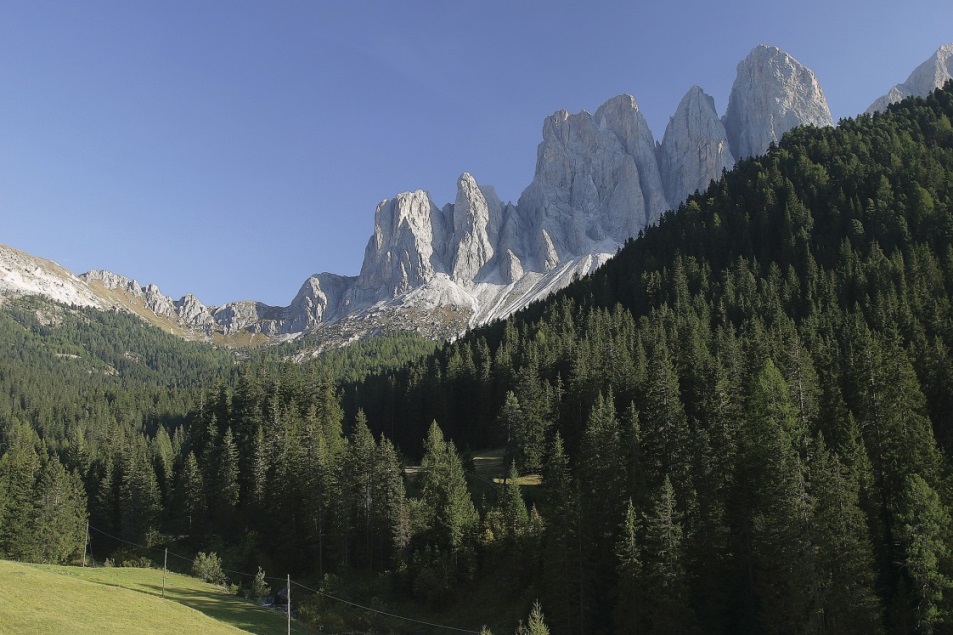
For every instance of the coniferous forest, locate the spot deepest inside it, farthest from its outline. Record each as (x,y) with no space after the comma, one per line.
(742,423)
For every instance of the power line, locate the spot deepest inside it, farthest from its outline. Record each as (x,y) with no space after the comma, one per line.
(385,613)
(307,588)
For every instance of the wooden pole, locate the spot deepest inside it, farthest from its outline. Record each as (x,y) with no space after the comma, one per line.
(86,543)
(165,564)
(289,604)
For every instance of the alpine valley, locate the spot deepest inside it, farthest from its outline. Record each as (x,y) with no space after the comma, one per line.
(701,385)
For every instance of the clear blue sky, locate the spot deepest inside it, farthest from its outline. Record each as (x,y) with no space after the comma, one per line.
(232,148)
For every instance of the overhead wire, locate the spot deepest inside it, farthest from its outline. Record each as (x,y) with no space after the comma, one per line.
(284,580)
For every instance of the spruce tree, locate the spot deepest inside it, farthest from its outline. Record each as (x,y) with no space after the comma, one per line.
(846,571)
(665,581)
(628,594)
(776,509)
(444,491)
(922,531)
(58,523)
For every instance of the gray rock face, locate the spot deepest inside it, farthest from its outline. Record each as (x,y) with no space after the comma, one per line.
(320,297)
(23,274)
(400,255)
(930,75)
(597,183)
(477,215)
(694,149)
(772,93)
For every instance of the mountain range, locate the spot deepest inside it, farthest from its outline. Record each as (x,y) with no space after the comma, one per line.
(600,178)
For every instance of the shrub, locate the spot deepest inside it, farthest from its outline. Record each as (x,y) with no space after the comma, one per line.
(259,588)
(208,567)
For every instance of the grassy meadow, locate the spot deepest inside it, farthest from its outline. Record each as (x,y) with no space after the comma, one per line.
(40,599)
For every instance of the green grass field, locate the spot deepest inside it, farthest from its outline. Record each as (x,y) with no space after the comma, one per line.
(40,599)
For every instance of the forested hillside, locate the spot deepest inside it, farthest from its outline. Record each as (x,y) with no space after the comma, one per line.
(745,418)
(742,423)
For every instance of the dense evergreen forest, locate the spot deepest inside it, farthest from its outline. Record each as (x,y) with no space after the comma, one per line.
(742,423)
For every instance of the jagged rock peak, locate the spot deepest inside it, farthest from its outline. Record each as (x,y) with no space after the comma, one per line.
(477,214)
(622,116)
(318,299)
(596,183)
(694,149)
(112,280)
(771,94)
(926,77)
(401,255)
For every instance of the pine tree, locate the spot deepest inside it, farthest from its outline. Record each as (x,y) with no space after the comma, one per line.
(162,459)
(567,590)
(257,472)
(845,557)
(138,495)
(445,494)
(224,491)
(535,625)
(664,425)
(922,530)
(665,577)
(359,482)
(190,497)
(513,515)
(775,507)
(628,594)
(58,523)
(602,483)
(508,421)
(19,469)
(392,511)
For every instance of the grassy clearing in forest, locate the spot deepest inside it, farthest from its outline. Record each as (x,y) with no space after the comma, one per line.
(488,464)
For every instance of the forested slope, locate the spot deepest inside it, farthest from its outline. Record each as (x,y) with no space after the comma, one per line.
(765,376)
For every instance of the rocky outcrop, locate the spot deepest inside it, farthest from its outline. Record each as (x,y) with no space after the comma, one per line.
(694,149)
(23,274)
(320,297)
(597,183)
(772,93)
(930,75)
(400,255)
(476,218)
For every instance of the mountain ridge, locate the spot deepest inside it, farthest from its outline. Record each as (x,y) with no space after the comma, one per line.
(600,178)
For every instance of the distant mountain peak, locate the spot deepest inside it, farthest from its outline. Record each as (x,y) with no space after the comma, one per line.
(771,94)
(928,76)
(695,148)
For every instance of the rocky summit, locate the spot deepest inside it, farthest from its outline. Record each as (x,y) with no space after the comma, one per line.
(772,93)
(926,77)
(695,148)
(600,178)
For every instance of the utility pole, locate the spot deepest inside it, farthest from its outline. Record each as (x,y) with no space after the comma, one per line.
(165,564)
(86,543)
(289,604)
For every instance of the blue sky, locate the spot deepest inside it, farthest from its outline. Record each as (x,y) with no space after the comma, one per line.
(230,149)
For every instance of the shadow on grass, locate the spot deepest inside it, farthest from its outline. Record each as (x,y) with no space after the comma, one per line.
(230,609)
